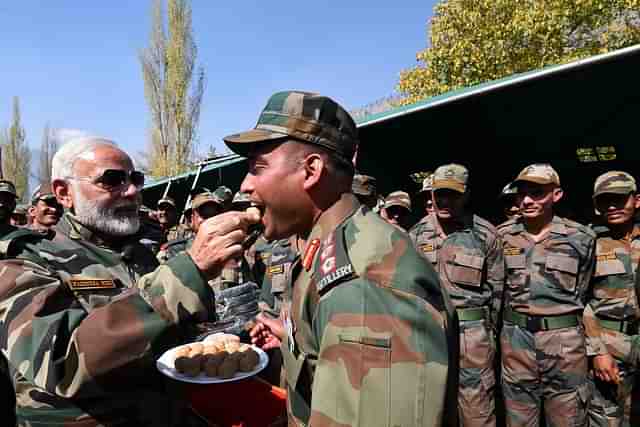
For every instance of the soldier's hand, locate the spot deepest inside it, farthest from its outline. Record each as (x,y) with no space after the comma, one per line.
(606,369)
(267,333)
(219,239)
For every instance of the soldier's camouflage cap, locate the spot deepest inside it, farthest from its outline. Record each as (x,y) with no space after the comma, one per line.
(427,184)
(304,116)
(364,185)
(451,177)
(398,198)
(223,195)
(42,192)
(20,210)
(203,198)
(616,182)
(241,197)
(538,173)
(166,201)
(509,190)
(8,187)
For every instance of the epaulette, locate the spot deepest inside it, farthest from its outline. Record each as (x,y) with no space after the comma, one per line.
(332,265)
(12,243)
(580,227)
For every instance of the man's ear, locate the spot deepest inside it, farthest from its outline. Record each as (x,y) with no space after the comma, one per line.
(557,194)
(314,165)
(31,210)
(636,200)
(63,192)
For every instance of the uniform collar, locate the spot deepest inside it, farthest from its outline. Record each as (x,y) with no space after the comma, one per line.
(330,219)
(558,226)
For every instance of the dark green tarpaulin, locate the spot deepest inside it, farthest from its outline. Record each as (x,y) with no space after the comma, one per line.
(496,129)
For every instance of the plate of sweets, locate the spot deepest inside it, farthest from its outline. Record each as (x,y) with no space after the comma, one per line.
(219,358)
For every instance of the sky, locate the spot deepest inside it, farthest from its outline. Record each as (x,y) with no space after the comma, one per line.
(74,64)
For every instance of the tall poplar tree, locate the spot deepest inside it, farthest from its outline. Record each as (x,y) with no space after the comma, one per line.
(173,89)
(16,156)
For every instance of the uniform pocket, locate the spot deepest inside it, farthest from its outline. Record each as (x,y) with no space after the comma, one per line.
(564,269)
(466,269)
(279,275)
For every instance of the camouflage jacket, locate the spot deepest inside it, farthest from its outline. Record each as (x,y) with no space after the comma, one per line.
(256,257)
(82,323)
(282,257)
(614,294)
(469,261)
(235,272)
(366,342)
(550,277)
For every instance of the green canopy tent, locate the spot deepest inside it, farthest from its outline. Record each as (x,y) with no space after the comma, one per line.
(580,117)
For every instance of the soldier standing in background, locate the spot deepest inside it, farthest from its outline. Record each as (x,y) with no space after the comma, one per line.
(364,188)
(425,194)
(167,215)
(363,339)
(466,252)
(19,217)
(549,261)
(84,317)
(8,197)
(612,314)
(508,201)
(397,209)
(45,211)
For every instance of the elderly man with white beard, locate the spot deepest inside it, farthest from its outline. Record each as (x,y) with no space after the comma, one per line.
(83,317)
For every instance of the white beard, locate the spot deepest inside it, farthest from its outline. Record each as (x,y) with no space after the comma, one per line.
(105,220)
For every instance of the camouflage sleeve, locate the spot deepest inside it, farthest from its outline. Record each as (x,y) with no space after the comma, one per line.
(585,275)
(593,331)
(53,342)
(496,277)
(382,356)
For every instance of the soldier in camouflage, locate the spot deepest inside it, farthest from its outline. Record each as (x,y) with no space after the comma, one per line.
(364,188)
(363,339)
(397,209)
(426,194)
(83,317)
(19,216)
(611,316)
(8,197)
(508,201)
(167,214)
(466,252)
(45,211)
(549,262)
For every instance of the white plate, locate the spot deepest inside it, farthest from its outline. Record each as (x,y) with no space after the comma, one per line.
(166,365)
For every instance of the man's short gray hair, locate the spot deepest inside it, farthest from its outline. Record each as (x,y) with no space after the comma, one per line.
(76,148)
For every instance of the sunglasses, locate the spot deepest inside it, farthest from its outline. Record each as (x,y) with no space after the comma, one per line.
(533,192)
(114,179)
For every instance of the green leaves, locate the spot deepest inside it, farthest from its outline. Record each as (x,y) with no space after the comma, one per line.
(473,41)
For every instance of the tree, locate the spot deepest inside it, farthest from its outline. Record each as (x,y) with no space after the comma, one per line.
(16,157)
(173,89)
(48,148)
(473,41)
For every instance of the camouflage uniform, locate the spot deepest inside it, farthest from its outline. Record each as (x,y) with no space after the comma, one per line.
(470,265)
(364,187)
(366,342)
(283,255)
(83,322)
(257,256)
(542,340)
(612,313)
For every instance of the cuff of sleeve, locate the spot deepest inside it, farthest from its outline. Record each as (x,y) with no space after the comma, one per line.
(595,347)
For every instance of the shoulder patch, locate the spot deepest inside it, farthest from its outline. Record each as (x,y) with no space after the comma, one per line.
(333,265)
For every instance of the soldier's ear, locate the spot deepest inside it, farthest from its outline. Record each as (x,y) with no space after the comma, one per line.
(62,189)
(557,194)
(636,199)
(314,165)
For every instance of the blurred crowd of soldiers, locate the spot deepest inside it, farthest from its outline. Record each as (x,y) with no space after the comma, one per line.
(543,306)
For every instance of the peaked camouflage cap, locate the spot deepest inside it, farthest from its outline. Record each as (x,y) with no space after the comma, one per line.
(398,198)
(166,201)
(223,195)
(304,116)
(539,173)
(42,192)
(427,184)
(204,198)
(20,210)
(509,190)
(451,177)
(8,187)
(241,197)
(616,182)
(364,185)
